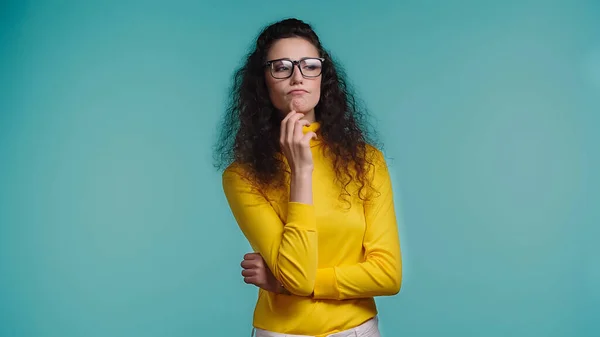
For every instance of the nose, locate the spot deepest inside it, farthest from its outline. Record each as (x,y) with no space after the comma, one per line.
(296,74)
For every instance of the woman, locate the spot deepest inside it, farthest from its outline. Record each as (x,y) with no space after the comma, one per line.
(309,191)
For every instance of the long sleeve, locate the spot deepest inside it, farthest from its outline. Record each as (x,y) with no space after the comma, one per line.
(289,248)
(381,272)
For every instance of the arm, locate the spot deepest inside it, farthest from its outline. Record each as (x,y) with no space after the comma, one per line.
(289,249)
(381,272)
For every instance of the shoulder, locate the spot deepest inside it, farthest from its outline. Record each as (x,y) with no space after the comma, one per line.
(236,171)
(238,175)
(373,151)
(234,181)
(375,157)
(233,168)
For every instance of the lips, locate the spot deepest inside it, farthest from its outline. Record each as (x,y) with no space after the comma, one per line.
(297,92)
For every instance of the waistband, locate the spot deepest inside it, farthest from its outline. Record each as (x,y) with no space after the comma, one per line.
(369,326)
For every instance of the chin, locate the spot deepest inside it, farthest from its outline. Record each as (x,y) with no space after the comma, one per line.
(304,108)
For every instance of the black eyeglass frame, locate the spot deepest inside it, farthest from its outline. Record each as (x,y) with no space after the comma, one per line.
(295,64)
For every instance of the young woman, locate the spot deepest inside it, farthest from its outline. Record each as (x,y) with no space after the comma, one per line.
(309,190)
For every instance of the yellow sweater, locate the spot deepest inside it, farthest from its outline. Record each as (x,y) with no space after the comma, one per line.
(332,258)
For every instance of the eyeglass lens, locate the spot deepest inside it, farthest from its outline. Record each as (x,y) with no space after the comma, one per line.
(284,68)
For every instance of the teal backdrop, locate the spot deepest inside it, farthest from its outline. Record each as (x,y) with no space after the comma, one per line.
(113,221)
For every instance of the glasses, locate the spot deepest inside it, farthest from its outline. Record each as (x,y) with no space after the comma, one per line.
(284,68)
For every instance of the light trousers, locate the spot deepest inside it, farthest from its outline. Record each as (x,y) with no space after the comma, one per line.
(369,328)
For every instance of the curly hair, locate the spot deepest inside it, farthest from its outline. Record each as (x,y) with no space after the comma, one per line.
(250,127)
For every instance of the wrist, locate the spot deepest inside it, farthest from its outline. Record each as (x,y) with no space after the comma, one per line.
(301,187)
(302,173)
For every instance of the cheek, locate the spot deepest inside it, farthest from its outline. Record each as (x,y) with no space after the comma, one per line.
(316,90)
(275,90)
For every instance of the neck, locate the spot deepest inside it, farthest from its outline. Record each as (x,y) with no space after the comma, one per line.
(309,116)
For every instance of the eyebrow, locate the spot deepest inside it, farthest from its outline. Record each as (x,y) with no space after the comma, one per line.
(300,59)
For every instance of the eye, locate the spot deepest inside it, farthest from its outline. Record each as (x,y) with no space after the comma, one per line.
(311,64)
(281,66)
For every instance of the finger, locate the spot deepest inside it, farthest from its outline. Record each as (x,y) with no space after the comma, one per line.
(283,126)
(291,125)
(250,280)
(307,137)
(247,264)
(298,134)
(305,140)
(289,114)
(249,272)
(252,256)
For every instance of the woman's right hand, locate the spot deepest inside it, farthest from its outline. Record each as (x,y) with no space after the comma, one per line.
(295,144)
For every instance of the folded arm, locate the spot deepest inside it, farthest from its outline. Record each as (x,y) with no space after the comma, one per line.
(289,248)
(380,273)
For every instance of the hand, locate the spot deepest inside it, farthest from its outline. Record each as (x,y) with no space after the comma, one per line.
(294,143)
(258,273)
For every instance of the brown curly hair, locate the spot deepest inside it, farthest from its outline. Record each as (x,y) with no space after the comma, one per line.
(250,128)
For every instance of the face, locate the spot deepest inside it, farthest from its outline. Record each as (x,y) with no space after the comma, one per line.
(296,92)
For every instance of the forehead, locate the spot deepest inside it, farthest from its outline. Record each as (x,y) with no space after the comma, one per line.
(293,48)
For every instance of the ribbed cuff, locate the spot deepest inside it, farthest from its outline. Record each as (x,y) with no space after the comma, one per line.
(326,284)
(302,215)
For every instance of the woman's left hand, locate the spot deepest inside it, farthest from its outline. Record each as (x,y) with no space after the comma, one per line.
(258,273)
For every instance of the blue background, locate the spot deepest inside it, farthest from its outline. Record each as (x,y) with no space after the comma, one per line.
(113,221)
